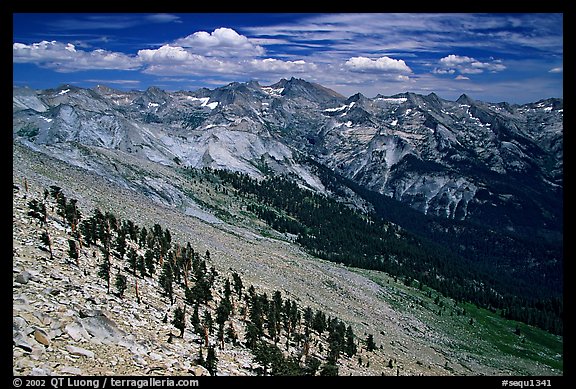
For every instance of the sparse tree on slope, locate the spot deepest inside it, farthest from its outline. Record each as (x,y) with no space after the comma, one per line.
(73,250)
(45,239)
(195,321)
(121,284)
(211,360)
(350,347)
(179,320)
(166,281)
(370,345)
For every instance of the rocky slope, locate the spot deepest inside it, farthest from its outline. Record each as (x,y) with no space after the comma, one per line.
(65,323)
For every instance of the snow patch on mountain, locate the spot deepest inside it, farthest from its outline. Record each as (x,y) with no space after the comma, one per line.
(204,101)
(274,92)
(341,108)
(395,100)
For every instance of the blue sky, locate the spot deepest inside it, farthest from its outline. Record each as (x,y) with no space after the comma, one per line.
(492,57)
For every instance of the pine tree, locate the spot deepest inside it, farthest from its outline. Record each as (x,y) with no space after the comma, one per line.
(202,291)
(120,243)
(208,322)
(133,260)
(311,365)
(237,284)
(211,360)
(308,317)
(166,281)
(149,260)
(142,240)
(350,347)
(141,266)
(220,335)
(272,323)
(370,345)
(227,289)
(179,320)
(88,230)
(195,321)
(121,284)
(72,214)
(200,360)
(319,322)
(223,311)
(231,333)
(105,267)
(38,211)
(73,250)
(132,229)
(252,335)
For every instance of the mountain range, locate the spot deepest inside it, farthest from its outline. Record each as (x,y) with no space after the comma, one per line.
(463,196)
(495,163)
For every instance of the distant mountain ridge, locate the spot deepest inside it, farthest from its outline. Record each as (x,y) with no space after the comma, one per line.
(496,163)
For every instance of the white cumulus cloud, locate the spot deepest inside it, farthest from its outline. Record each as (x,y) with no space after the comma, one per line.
(276,65)
(559,69)
(175,60)
(382,64)
(165,55)
(455,60)
(221,42)
(64,57)
(467,65)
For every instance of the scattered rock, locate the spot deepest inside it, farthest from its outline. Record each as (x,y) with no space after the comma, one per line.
(56,325)
(23,364)
(19,324)
(55,333)
(38,371)
(37,352)
(199,371)
(79,351)
(76,331)
(90,313)
(20,341)
(102,329)
(154,369)
(71,370)
(41,337)
(17,353)
(45,319)
(23,277)
(58,276)
(139,361)
(20,300)
(51,291)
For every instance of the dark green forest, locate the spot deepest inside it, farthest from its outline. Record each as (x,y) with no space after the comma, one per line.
(489,271)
